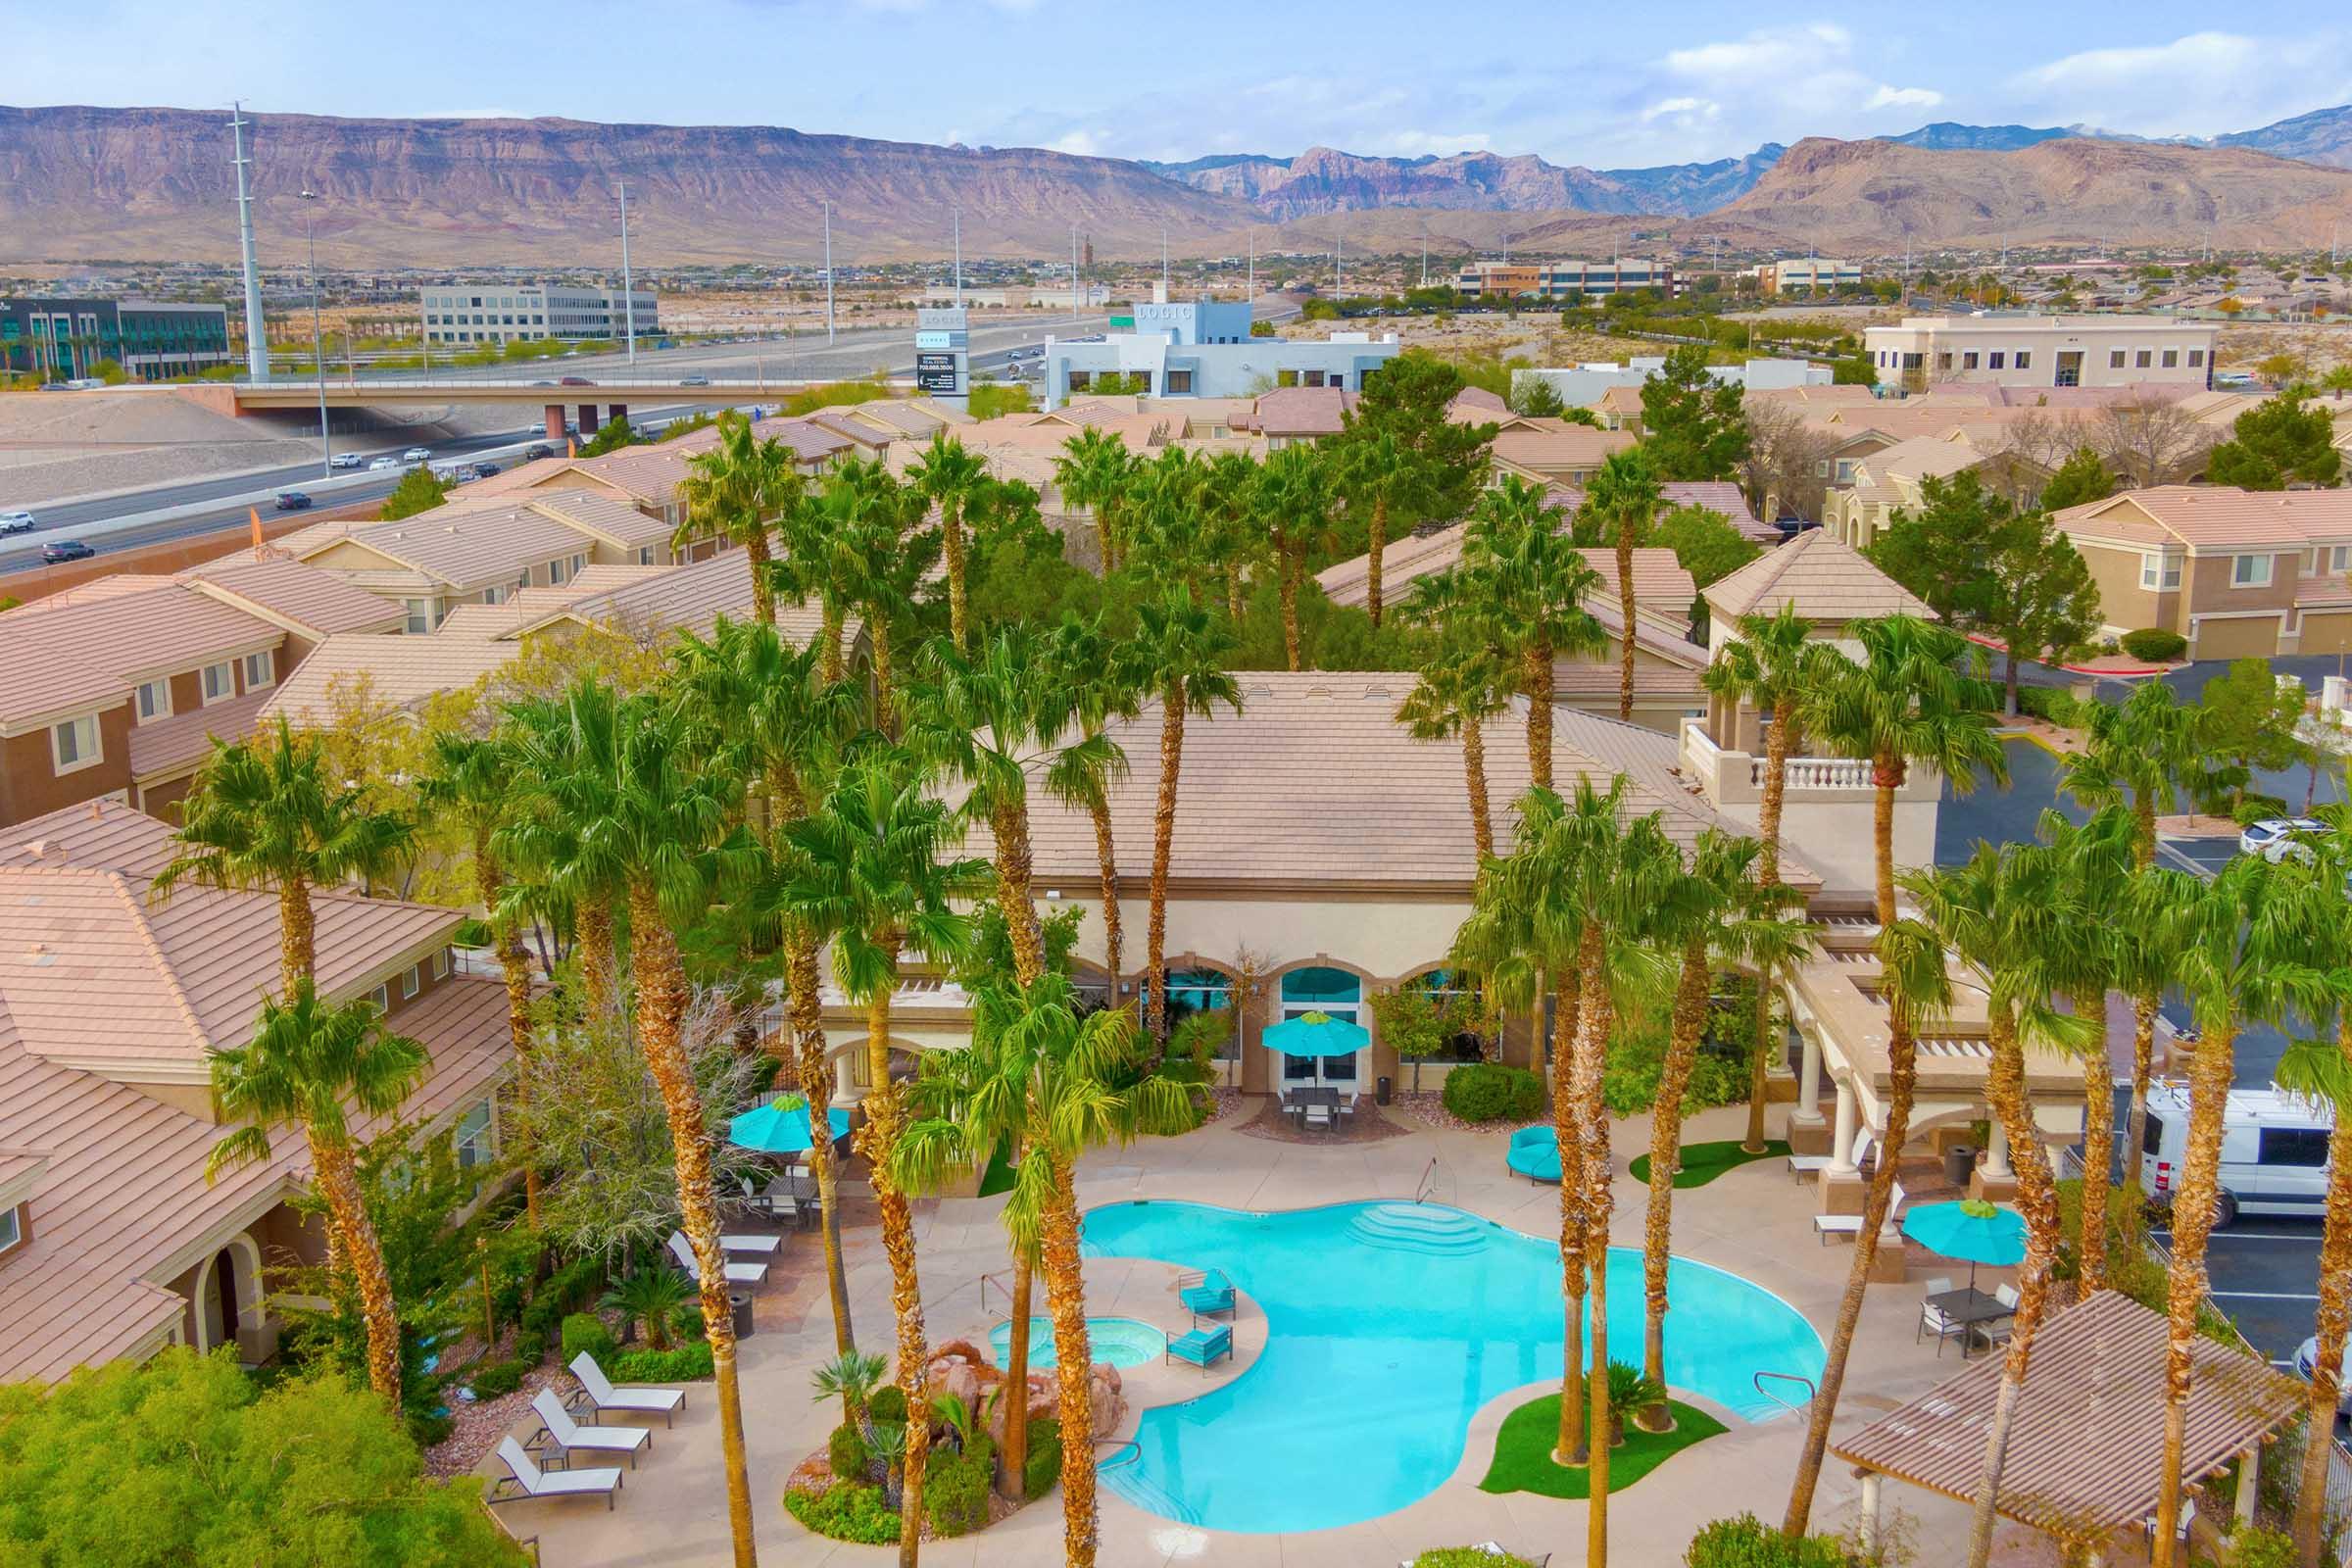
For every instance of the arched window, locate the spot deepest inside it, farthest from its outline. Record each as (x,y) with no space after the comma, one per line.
(1335,992)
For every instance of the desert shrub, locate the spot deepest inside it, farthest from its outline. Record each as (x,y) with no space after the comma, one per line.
(1749,1543)
(2155,644)
(846,1452)
(1467,1557)
(495,1378)
(2260,1548)
(1488,1091)
(1043,1468)
(955,1489)
(846,1510)
(685,1364)
(585,1331)
(889,1403)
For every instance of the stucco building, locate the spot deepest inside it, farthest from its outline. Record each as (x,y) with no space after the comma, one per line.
(2017,348)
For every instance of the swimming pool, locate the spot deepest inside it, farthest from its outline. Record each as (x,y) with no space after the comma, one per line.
(1123,1341)
(1388,1325)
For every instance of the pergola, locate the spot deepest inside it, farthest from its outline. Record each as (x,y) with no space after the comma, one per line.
(2087,1442)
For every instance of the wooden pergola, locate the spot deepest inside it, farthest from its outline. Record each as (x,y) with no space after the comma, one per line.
(2086,1443)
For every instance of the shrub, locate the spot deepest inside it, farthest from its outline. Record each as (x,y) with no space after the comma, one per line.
(2260,1548)
(1467,1557)
(1488,1091)
(685,1364)
(585,1331)
(495,1378)
(955,1490)
(889,1403)
(1043,1468)
(847,1452)
(2155,645)
(846,1510)
(1749,1543)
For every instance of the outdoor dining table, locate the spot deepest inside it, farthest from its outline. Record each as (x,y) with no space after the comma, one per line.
(1967,1306)
(1295,1101)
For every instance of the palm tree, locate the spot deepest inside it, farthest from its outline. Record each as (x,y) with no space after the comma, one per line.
(1086,664)
(264,814)
(1227,540)
(472,778)
(1294,499)
(880,552)
(1040,1077)
(1094,473)
(1768,667)
(947,476)
(734,492)
(1907,704)
(1456,696)
(2321,1070)
(307,1056)
(565,752)
(871,877)
(1624,494)
(1378,472)
(1177,654)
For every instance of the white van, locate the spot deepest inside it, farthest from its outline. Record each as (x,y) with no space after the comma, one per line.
(2274,1150)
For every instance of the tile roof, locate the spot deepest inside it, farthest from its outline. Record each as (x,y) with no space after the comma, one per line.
(1926,456)
(274,585)
(1720,496)
(688,598)
(93,653)
(164,747)
(2218,517)
(1658,577)
(400,670)
(1472,404)
(1301,411)
(1825,579)
(462,546)
(601,516)
(506,482)
(1544,452)
(811,441)
(95,833)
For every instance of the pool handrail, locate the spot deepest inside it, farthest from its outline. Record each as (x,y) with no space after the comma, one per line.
(998,1280)
(1121,1446)
(1428,1182)
(1757,1382)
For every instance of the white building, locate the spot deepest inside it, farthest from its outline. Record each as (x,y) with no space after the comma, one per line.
(1580,386)
(1805,272)
(1204,348)
(2020,348)
(508,312)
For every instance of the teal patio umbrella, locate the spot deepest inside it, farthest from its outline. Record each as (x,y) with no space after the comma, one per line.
(780,1128)
(1316,1034)
(1971,1229)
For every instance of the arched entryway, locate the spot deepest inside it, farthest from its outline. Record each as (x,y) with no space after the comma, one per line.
(228,1297)
(1318,988)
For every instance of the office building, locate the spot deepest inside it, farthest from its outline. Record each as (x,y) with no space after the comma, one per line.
(2018,348)
(152,340)
(1564,281)
(497,314)
(1806,272)
(1203,349)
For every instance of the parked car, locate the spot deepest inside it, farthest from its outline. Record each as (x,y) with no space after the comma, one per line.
(694,380)
(537,450)
(2276,837)
(292,501)
(2274,1150)
(16,523)
(416,455)
(387,460)
(63,550)
(347,460)
(2307,1355)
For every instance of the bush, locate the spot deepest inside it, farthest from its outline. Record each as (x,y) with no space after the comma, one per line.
(1749,1543)
(492,1378)
(1043,1468)
(685,1364)
(955,1489)
(2155,645)
(1467,1557)
(889,1403)
(1488,1091)
(2260,1548)
(585,1331)
(846,1452)
(846,1510)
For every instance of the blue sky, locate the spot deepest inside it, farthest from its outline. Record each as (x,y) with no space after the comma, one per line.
(1597,84)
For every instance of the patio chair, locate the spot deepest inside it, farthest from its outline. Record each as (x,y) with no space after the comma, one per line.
(1204,1293)
(530,1481)
(737,1273)
(1202,1346)
(558,1427)
(752,1246)
(1850,1226)
(1801,1165)
(1932,1321)
(754,1200)
(1996,1331)
(1349,1108)
(1319,1118)
(599,1395)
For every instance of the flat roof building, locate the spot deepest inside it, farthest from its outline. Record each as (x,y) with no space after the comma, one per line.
(2017,348)
(499,313)
(1203,349)
(1559,280)
(1806,271)
(152,340)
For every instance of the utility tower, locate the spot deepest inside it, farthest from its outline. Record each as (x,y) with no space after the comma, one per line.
(257,336)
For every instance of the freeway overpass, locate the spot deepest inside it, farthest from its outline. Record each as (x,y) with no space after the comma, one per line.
(597,397)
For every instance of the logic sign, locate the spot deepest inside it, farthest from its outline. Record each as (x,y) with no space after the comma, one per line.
(936,372)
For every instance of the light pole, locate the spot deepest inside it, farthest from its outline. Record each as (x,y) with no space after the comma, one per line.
(310,240)
(628,292)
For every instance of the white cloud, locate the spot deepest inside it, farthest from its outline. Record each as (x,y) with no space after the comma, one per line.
(1081,143)
(1903,98)
(2202,83)
(1682,109)
(1415,143)
(1767,51)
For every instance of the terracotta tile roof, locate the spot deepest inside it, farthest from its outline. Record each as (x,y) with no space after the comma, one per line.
(1546,453)
(1720,496)
(459,547)
(506,481)
(2221,517)
(94,833)
(1301,411)
(165,747)
(600,515)
(1925,456)
(858,434)
(688,598)
(93,653)
(650,475)
(1658,578)
(275,586)
(1824,577)
(1474,405)
(811,441)
(401,670)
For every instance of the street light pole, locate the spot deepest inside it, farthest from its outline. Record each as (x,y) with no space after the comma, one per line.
(629,290)
(828,272)
(310,240)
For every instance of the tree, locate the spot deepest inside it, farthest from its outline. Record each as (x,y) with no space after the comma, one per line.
(2081,479)
(2250,716)
(2149,443)
(1694,426)
(1295,495)
(1087,666)
(1040,1077)
(1853,370)
(307,1056)
(1537,398)
(1094,471)
(1412,1024)
(2042,600)
(564,751)
(2283,369)
(1788,467)
(1705,543)
(1458,693)
(2275,444)
(1434,465)
(611,436)
(1176,655)
(949,476)
(733,493)
(1377,474)
(1942,550)
(419,490)
(1624,495)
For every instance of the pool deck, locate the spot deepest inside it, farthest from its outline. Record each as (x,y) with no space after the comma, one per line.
(1753,1221)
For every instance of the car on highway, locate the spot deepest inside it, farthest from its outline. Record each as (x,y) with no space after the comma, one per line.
(537,450)
(2307,1355)
(63,550)
(292,501)
(16,523)
(2277,838)
(483,470)
(694,380)
(385,462)
(416,455)
(346,459)
(575,380)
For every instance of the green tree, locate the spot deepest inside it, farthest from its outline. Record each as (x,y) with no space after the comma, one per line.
(1094,471)
(419,490)
(2278,443)
(1624,499)
(2081,479)
(1537,398)
(611,436)
(2042,600)
(1853,370)
(1943,550)
(1412,1024)
(1705,543)
(1296,494)
(949,476)
(2250,716)
(734,491)
(1694,426)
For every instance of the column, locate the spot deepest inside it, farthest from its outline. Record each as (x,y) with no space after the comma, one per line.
(2249,1483)
(1842,1143)
(555,422)
(844,1092)
(587,420)
(1808,1078)
(1873,1520)
(1996,1158)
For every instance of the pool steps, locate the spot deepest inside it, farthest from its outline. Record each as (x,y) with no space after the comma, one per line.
(1416,1228)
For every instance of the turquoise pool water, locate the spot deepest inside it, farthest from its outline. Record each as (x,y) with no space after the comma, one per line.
(1388,1325)
(1120,1341)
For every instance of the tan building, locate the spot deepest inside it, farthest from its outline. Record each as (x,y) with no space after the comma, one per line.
(1570,454)
(2240,573)
(1892,479)
(2022,349)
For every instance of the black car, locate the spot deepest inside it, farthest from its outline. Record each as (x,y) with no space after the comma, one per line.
(483,470)
(65,550)
(537,450)
(292,501)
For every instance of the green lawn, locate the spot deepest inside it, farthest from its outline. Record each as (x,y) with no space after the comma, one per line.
(1703,1162)
(1523,1450)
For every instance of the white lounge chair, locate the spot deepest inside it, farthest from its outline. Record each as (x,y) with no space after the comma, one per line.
(752,1246)
(599,1393)
(1934,1321)
(530,1481)
(1807,1164)
(558,1428)
(1850,1226)
(737,1273)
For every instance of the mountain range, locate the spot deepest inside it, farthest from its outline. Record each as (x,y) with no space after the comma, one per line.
(145,185)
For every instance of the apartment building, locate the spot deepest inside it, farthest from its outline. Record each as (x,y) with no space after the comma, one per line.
(1570,454)
(1567,280)
(1880,483)
(1203,349)
(2018,348)
(2240,573)
(497,314)
(114,1240)
(115,690)
(1612,388)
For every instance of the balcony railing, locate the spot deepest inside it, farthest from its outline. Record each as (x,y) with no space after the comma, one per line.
(1817,774)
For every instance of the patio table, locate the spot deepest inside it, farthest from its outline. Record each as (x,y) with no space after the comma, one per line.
(1969,1306)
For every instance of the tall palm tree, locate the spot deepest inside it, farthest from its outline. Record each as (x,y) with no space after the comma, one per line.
(1094,473)
(1086,664)
(1042,1077)
(1908,704)
(1296,495)
(872,875)
(1379,472)
(1227,539)
(566,751)
(734,492)
(307,1056)
(1457,693)
(1177,654)
(470,778)
(1768,667)
(1625,496)
(265,815)
(949,476)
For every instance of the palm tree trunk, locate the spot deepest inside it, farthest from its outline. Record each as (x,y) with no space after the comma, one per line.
(951,539)
(885,1120)
(877,630)
(1287,571)
(1233,591)
(1016,1376)
(1474,773)
(2334,1319)
(1106,859)
(1065,1298)
(1768,875)
(808,1036)
(1569,1448)
(1535,678)
(1010,825)
(1902,1072)
(297,937)
(2143,1073)
(660,1013)
(1596,1173)
(756,555)
(2098,1140)
(337,1177)
(599,957)
(1625,607)
(831,663)
(2209,1075)
(1665,1147)
(489,885)
(1163,840)
(1378,543)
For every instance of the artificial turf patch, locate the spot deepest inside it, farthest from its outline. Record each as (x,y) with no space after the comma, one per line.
(1523,1450)
(1703,1162)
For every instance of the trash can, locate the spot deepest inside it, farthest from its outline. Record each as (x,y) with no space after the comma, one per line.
(1382,1091)
(740,1304)
(1958,1160)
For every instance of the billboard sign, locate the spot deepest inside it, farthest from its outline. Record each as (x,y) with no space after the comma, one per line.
(936,374)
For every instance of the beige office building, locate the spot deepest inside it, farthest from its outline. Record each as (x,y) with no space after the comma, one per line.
(2021,349)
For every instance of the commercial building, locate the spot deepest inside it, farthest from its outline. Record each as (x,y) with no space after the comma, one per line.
(1805,272)
(1203,349)
(152,340)
(497,314)
(2016,348)
(1583,386)
(1011,299)
(1560,280)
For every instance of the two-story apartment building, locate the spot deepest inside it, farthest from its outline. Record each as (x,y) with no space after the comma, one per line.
(1568,455)
(1894,478)
(2019,348)
(2240,573)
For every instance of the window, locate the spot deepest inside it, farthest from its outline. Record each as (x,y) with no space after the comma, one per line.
(381,996)
(261,670)
(2172,358)
(2340,559)
(2024,358)
(1179,382)
(494,596)
(420,617)
(412,982)
(580,564)
(219,681)
(2196,359)
(475,1139)
(2152,1141)
(2249,571)
(1080,380)
(154,701)
(12,1228)
(2292,1146)
(2159,571)
(441,964)
(1967,360)
(1997,359)
(645,554)
(1943,361)
(2141,360)
(2115,358)
(76,743)
(1846,470)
